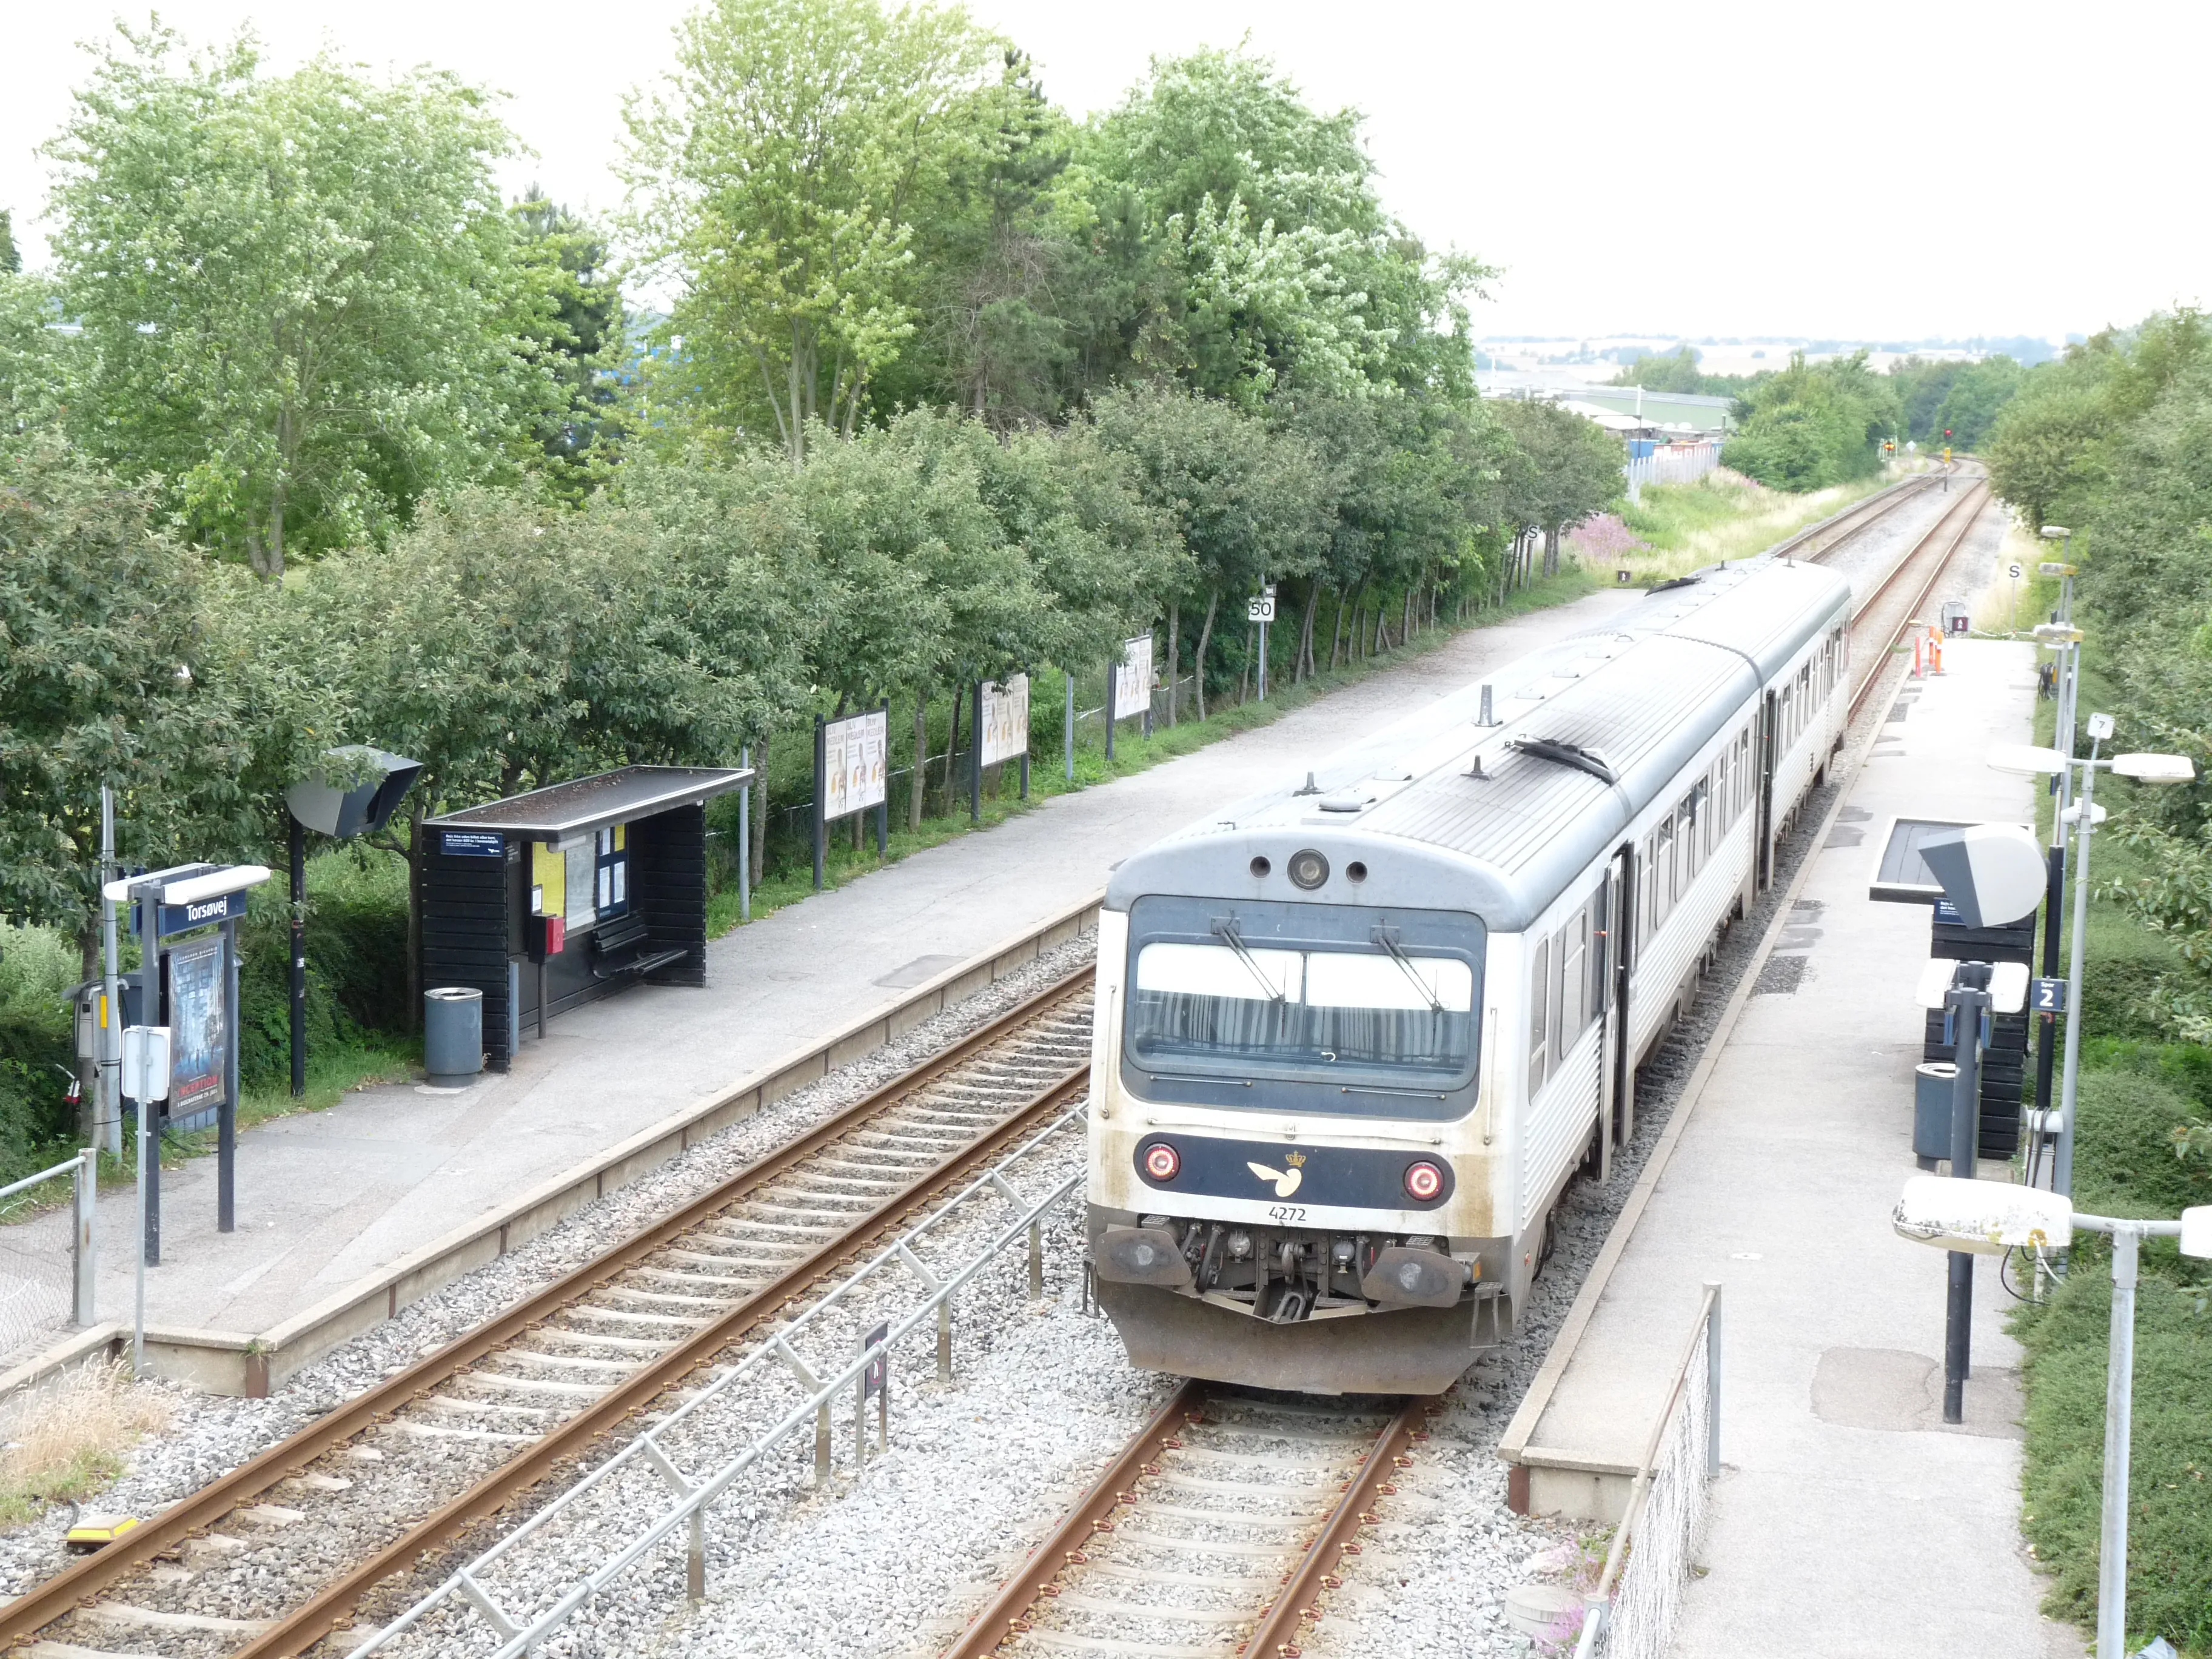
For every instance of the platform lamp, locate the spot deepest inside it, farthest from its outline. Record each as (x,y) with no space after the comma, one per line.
(2025,760)
(354,792)
(1991,1217)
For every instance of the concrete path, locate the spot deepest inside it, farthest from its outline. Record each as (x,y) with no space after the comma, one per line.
(1849,1521)
(327,1199)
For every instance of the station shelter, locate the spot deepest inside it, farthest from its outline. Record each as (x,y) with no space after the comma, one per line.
(546,900)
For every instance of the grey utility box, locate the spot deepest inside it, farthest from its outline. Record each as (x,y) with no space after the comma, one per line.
(1934,1091)
(453,1033)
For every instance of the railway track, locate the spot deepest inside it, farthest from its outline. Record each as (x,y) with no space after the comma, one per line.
(1894,603)
(1216,1532)
(383,1484)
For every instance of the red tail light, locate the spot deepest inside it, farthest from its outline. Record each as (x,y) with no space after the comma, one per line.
(1162,1161)
(1424,1180)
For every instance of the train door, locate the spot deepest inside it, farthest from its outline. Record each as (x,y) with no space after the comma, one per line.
(1770,751)
(1617,1116)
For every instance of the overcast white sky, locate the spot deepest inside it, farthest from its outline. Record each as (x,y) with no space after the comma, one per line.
(1724,168)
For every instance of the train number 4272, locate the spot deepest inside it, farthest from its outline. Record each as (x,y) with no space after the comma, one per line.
(1286,1212)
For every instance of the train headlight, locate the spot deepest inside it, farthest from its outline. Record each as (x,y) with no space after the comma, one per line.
(1161,1162)
(1307,869)
(1240,1245)
(1424,1180)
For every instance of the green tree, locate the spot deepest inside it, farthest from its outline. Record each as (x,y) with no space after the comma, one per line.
(11,257)
(1814,425)
(577,328)
(106,676)
(1250,500)
(38,360)
(1255,251)
(775,178)
(1570,469)
(297,293)
(1678,371)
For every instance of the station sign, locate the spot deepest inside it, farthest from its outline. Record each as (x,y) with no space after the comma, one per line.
(472,844)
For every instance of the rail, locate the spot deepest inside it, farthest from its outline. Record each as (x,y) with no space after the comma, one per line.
(1631,1612)
(329,1605)
(1944,536)
(651,1450)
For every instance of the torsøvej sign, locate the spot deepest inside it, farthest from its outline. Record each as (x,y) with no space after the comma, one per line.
(472,844)
(183,918)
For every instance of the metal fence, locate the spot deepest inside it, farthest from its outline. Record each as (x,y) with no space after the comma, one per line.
(47,1262)
(1630,1614)
(1676,464)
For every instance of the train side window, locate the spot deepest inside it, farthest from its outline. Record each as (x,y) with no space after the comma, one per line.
(1540,986)
(1574,983)
(1663,874)
(1687,859)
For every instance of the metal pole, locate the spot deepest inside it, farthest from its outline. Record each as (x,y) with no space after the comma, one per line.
(108,1036)
(884,806)
(1968,1004)
(146,1240)
(87,1247)
(299,874)
(976,766)
(226,1116)
(2120,1411)
(821,784)
(745,836)
(2062,1173)
(1112,679)
(1068,742)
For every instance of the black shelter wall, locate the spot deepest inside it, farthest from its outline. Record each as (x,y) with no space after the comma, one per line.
(668,889)
(464,935)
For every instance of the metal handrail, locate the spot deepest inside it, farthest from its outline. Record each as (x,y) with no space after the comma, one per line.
(1707,1325)
(692,1496)
(68,1167)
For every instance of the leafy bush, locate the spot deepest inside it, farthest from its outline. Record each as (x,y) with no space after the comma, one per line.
(37,968)
(1810,427)
(357,961)
(2170,1519)
(2123,1157)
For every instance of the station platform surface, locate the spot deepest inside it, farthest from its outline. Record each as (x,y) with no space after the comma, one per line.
(326,1199)
(1849,1521)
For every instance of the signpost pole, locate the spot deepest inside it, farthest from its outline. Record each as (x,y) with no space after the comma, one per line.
(1027,681)
(1968,1006)
(299,874)
(884,806)
(226,1135)
(109,1035)
(2120,1411)
(744,841)
(821,786)
(976,769)
(1068,738)
(1113,680)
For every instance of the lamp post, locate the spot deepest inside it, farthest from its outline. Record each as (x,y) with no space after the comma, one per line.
(2051,763)
(1992,1217)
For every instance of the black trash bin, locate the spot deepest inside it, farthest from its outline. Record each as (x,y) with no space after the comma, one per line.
(453,1034)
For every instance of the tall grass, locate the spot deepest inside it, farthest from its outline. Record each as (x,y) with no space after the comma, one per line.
(1723,516)
(65,1439)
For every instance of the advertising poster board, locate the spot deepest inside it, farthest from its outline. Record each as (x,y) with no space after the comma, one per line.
(1132,679)
(198,1040)
(854,765)
(1005,719)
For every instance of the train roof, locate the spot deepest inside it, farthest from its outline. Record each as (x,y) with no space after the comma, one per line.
(1636,699)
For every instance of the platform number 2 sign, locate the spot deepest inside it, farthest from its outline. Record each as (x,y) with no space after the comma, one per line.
(2047,996)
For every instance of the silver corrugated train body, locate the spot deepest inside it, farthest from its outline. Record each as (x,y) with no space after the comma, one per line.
(1353,1036)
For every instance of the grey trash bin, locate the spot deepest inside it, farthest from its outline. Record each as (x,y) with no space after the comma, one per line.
(453,1033)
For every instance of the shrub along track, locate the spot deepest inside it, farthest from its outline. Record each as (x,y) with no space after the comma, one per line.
(481,1422)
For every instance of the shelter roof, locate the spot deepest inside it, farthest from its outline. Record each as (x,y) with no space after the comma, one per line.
(599,802)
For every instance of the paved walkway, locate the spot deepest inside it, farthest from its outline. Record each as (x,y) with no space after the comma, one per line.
(1849,1521)
(327,1199)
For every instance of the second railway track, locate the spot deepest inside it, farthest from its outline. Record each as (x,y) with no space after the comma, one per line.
(273,1556)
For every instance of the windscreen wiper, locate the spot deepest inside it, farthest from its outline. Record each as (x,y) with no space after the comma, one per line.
(1389,941)
(1225,929)
(1568,754)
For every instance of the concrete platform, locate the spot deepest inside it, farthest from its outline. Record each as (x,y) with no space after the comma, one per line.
(1848,1521)
(346,1215)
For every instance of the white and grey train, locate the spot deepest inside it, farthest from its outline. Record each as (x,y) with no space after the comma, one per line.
(1354,1036)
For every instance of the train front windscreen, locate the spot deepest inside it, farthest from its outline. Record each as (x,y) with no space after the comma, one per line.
(1349,1010)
